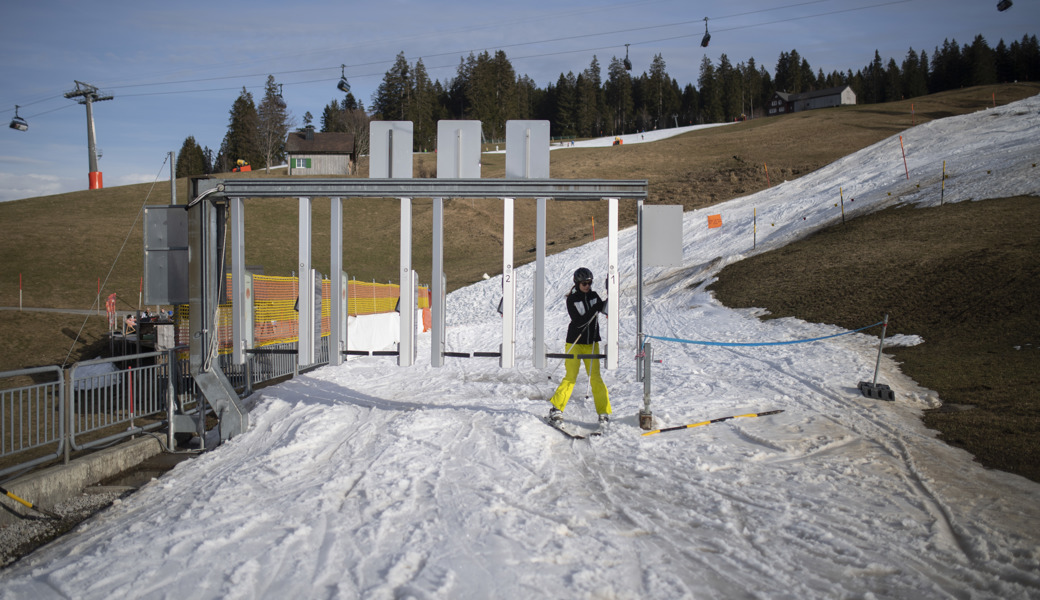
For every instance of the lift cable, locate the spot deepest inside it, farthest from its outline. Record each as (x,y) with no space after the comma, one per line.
(515,58)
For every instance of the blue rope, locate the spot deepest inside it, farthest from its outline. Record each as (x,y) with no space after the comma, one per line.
(702,343)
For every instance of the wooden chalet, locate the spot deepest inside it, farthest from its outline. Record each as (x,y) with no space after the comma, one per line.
(312,153)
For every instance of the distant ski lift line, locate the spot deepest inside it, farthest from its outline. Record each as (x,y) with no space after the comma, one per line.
(573,37)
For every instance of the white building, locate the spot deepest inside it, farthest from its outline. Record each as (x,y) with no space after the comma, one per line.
(783,102)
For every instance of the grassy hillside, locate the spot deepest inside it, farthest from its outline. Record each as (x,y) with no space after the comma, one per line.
(972,297)
(63,244)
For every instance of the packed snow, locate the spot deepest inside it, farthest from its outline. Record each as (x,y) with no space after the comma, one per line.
(634,138)
(374,481)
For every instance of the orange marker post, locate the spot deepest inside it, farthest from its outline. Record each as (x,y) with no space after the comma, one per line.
(904,158)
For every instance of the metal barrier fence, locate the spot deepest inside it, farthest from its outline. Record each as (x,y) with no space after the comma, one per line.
(100,402)
(32,417)
(114,397)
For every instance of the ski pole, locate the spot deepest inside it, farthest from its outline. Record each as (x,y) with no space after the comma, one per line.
(29,504)
(719,420)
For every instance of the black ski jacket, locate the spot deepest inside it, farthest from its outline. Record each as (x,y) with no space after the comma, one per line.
(582,308)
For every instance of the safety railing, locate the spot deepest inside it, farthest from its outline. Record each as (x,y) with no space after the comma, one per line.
(47,412)
(32,418)
(110,398)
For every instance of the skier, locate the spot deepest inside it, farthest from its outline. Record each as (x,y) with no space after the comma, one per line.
(582,338)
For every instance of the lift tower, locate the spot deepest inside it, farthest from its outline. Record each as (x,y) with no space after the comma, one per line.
(88,95)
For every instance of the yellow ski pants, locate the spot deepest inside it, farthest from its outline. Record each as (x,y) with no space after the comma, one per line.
(566,387)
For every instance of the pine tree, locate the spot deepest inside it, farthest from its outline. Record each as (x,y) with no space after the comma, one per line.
(422,113)
(711,100)
(526,98)
(273,124)
(1005,65)
(793,74)
(241,138)
(893,82)
(981,62)
(1028,60)
(751,78)
(563,116)
(915,82)
(457,91)
(491,85)
(191,161)
(392,98)
(806,76)
(688,105)
(728,80)
(656,91)
(590,101)
(332,120)
(618,93)
(947,68)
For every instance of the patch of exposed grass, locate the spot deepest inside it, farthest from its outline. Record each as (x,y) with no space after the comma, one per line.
(963,276)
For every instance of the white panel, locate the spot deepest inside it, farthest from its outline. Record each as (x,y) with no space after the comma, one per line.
(437,293)
(527,149)
(343,300)
(662,235)
(458,149)
(615,286)
(507,359)
(539,286)
(407,298)
(390,149)
(338,313)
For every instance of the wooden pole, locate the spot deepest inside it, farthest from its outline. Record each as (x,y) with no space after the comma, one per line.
(904,158)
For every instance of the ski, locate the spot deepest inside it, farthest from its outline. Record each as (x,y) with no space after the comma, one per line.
(563,429)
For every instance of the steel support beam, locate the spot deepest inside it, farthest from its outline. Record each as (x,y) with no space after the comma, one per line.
(239,317)
(558,189)
(338,313)
(205,276)
(305,295)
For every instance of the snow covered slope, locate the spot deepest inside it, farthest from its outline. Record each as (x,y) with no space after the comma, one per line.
(373,481)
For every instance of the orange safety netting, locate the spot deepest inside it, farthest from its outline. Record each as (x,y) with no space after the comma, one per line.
(276,316)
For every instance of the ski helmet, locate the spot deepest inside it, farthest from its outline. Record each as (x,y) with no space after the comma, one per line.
(582,275)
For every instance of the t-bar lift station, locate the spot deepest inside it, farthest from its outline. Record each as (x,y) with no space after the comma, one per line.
(217,201)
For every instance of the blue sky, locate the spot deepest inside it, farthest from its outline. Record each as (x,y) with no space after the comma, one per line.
(174,69)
